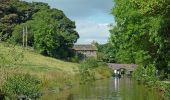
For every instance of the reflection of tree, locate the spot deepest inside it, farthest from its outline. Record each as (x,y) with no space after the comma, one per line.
(70,97)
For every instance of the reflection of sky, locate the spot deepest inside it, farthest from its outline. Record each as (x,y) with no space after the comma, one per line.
(91,16)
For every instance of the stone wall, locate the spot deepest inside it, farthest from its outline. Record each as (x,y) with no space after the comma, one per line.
(88,53)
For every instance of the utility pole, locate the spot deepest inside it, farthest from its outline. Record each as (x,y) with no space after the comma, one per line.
(23,37)
(26,36)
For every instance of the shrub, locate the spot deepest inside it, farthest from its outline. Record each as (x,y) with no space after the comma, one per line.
(150,72)
(22,86)
(90,62)
(139,73)
(87,75)
(75,59)
(168,92)
(104,71)
(10,55)
(86,70)
(146,75)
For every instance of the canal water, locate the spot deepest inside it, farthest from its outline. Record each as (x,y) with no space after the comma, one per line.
(111,89)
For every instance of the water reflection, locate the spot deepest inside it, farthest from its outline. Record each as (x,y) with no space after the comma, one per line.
(111,89)
(116,84)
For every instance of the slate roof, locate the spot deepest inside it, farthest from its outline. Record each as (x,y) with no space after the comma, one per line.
(84,47)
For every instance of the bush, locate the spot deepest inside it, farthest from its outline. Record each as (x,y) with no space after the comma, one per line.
(10,56)
(22,86)
(75,59)
(150,72)
(86,70)
(139,73)
(90,62)
(104,71)
(87,75)
(167,91)
(89,68)
(146,75)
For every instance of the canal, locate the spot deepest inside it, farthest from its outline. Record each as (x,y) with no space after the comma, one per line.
(109,89)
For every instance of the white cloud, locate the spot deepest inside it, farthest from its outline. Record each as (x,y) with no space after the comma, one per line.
(90,31)
(91,16)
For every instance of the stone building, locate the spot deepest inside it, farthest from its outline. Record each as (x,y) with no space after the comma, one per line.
(86,50)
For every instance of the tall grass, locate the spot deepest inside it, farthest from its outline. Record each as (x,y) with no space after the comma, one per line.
(54,74)
(90,70)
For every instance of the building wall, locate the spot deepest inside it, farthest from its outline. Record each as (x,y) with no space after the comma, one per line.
(88,53)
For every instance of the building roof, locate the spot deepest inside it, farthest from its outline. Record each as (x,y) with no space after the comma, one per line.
(84,47)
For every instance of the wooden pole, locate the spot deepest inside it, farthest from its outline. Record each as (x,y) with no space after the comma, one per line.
(26,36)
(23,36)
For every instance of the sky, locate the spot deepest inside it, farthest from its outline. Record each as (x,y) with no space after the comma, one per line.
(92,17)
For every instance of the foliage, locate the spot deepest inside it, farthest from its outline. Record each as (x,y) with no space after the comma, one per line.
(50,32)
(104,71)
(54,74)
(90,62)
(13,12)
(105,53)
(87,75)
(22,85)
(150,73)
(76,58)
(17,34)
(55,38)
(139,73)
(167,91)
(86,70)
(146,74)
(141,34)
(11,56)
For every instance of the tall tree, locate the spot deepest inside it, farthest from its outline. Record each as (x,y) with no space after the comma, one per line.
(50,32)
(12,13)
(142,32)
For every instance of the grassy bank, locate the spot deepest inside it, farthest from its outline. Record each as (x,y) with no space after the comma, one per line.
(148,77)
(55,75)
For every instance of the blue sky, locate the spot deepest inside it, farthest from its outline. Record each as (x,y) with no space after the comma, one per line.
(92,17)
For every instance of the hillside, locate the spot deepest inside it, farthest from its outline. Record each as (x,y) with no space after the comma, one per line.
(55,74)
(32,61)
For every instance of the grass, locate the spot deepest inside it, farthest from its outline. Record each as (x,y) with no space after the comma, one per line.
(103,72)
(33,61)
(54,73)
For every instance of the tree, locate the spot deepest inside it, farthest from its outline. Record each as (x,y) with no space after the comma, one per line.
(12,13)
(141,35)
(50,32)
(106,53)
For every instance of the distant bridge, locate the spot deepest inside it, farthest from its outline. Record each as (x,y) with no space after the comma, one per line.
(128,67)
